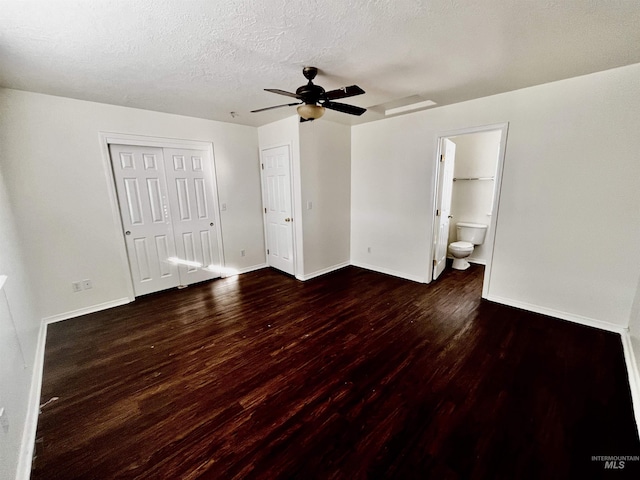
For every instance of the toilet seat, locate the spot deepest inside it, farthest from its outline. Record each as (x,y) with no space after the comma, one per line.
(462,246)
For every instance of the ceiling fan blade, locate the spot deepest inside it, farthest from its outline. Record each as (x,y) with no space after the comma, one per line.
(282,92)
(344,92)
(344,108)
(277,106)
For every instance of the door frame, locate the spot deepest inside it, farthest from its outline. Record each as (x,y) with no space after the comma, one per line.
(108,138)
(497,188)
(294,210)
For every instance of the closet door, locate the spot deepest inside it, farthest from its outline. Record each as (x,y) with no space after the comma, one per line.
(142,195)
(189,175)
(278,209)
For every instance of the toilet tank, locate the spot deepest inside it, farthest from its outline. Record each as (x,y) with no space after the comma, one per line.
(471,232)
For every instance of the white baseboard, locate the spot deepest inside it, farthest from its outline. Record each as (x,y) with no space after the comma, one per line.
(394,273)
(86,310)
(323,271)
(633,372)
(247,269)
(477,261)
(33,409)
(123,301)
(630,357)
(570,317)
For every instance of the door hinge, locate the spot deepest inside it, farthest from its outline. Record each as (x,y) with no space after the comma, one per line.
(262,165)
(442,158)
(438,213)
(267,251)
(265,209)
(435,262)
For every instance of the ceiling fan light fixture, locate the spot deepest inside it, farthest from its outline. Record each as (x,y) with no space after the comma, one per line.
(309,111)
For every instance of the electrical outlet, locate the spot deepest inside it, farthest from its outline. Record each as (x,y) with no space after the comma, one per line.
(4,420)
(309,205)
(76,286)
(223,207)
(368,249)
(86,284)
(243,253)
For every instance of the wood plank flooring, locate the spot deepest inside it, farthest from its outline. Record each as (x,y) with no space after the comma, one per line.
(351,375)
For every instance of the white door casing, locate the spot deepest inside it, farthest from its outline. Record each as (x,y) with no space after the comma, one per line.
(443,205)
(277,200)
(190,185)
(142,195)
(491,232)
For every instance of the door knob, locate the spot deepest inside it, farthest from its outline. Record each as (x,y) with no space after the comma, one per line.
(287,219)
(127,232)
(211,224)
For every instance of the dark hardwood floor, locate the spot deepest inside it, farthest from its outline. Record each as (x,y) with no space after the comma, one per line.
(351,375)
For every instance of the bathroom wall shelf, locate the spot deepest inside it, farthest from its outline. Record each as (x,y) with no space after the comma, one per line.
(473,178)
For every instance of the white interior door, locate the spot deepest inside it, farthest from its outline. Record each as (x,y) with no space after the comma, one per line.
(443,205)
(190,185)
(142,195)
(276,181)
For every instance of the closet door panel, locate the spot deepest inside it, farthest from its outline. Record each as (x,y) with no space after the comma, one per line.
(142,196)
(189,175)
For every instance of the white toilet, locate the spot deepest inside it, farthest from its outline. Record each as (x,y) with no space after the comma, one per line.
(469,234)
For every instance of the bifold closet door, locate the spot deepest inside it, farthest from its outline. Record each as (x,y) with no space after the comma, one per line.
(189,175)
(166,199)
(146,220)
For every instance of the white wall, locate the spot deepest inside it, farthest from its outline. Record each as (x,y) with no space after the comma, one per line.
(59,188)
(634,323)
(471,200)
(19,326)
(571,179)
(392,165)
(325,168)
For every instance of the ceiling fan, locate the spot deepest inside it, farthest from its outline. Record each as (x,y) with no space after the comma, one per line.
(314,99)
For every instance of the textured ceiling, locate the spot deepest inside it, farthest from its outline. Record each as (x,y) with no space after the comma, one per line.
(209,58)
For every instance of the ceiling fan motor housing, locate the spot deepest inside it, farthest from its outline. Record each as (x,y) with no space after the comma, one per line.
(310,93)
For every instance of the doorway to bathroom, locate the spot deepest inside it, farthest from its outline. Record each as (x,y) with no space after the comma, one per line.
(467,190)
